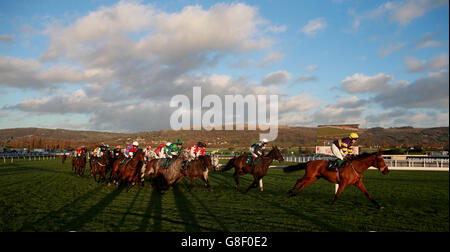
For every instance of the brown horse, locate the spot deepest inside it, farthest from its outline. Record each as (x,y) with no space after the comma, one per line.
(101,165)
(350,174)
(198,168)
(258,171)
(79,164)
(127,172)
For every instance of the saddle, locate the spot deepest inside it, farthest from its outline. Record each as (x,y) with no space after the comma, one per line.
(124,161)
(335,165)
(252,162)
(185,165)
(166,163)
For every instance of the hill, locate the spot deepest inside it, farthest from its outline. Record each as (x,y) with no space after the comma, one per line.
(288,137)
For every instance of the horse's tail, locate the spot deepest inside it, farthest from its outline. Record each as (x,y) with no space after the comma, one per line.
(229,165)
(297,167)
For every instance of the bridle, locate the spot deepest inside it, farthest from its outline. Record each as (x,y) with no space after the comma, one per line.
(377,160)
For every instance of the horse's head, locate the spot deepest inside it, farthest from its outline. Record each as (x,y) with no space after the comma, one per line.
(139,155)
(184,154)
(380,164)
(215,162)
(276,154)
(207,161)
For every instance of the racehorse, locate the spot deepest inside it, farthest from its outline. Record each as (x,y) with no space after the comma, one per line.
(350,174)
(258,171)
(79,164)
(64,157)
(167,176)
(198,168)
(128,170)
(101,165)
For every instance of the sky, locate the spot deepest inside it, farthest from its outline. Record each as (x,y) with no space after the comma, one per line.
(115,65)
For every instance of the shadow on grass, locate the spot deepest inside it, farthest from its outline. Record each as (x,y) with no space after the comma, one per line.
(153,211)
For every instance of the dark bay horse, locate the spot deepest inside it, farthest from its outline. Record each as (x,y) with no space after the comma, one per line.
(127,172)
(101,165)
(258,171)
(198,168)
(350,174)
(79,164)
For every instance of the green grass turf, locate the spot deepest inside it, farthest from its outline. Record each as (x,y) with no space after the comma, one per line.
(47,196)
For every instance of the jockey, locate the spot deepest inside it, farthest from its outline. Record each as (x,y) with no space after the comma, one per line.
(101,149)
(131,149)
(342,148)
(116,151)
(257,149)
(197,150)
(160,151)
(95,152)
(80,150)
(174,149)
(147,152)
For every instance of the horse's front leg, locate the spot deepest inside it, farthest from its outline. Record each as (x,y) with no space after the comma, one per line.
(363,189)
(261,187)
(252,185)
(236,179)
(205,179)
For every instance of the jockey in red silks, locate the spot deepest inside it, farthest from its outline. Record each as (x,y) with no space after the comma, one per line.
(131,149)
(197,150)
(80,150)
(160,151)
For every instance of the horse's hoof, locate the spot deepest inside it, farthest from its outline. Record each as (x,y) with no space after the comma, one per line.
(381,207)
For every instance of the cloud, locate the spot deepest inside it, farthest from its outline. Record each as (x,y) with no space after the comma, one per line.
(306,78)
(278,77)
(75,102)
(296,110)
(405,12)
(30,73)
(429,92)
(271,58)
(391,48)
(435,64)
(427,41)
(400,12)
(359,83)
(404,117)
(346,110)
(314,26)
(6,38)
(312,68)
(276,29)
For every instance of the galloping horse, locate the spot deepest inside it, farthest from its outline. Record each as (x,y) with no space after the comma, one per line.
(127,171)
(198,168)
(101,165)
(79,164)
(350,174)
(258,171)
(170,174)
